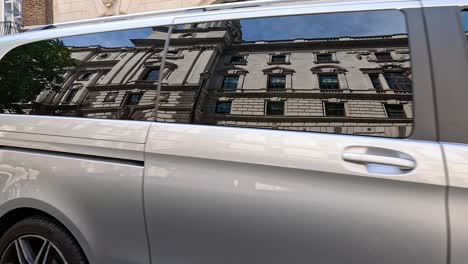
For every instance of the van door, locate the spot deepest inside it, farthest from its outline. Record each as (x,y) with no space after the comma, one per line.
(296,140)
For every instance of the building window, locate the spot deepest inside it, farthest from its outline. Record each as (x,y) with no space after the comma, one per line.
(395,111)
(323,58)
(374,77)
(238,59)
(274,108)
(198,25)
(334,109)
(230,82)
(278,59)
(277,82)
(12,11)
(383,56)
(329,81)
(133,98)
(223,107)
(397,81)
(71,95)
(110,97)
(152,75)
(85,76)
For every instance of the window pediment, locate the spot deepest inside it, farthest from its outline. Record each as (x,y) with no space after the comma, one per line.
(233,70)
(157,64)
(328,69)
(386,68)
(278,70)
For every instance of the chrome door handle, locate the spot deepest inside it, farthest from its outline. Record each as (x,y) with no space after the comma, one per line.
(377,159)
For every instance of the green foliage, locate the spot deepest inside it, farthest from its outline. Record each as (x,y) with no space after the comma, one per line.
(29,69)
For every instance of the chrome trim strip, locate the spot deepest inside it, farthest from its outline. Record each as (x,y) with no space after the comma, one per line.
(139,163)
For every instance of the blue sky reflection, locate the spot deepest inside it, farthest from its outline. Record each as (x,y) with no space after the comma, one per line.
(279,28)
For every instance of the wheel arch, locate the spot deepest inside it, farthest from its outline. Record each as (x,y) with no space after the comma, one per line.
(15,210)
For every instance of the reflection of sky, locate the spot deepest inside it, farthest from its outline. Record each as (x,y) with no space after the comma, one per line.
(464,16)
(108,39)
(325,26)
(293,27)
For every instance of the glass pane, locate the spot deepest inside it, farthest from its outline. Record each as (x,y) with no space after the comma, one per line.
(230,82)
(375,81)
(324,57)
(328,82)
(464,19)
(334,109)
(277,82)
(223,107)
(329,59)
(91,76)
(275,108)
(133,99)
(278,59)
(395,111)
(152,75)
(397,81)
(295,65)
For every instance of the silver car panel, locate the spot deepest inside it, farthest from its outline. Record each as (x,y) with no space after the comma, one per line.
(240,195)
(98,200)
(457,166)
(104,138)
(227,191)
(96,167)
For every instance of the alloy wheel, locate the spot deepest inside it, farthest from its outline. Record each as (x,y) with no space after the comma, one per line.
(32,249)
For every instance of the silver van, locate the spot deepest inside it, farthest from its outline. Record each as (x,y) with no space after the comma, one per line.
(266,132)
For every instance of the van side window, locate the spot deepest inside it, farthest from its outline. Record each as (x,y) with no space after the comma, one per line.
(345,73)
(464,21)
(303,73)
(111,75)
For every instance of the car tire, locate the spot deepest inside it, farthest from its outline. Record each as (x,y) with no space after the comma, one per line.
(38,238)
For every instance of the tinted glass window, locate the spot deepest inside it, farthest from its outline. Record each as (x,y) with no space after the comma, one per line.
(330,73)
(274,108)
(133,98)
(230,82)
(278,59)
(383,56)
(334,109)
(395,111)
(110,75)
(464,20)
(333,73)
(324,58)
(152,75)
(328,81)
(375,79)
(397,81)
(277,82)
(223,107)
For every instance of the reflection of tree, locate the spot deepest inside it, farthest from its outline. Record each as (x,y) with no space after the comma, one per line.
(30,69)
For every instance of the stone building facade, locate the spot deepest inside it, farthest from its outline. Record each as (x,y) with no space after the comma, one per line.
(43,12)
(348,85)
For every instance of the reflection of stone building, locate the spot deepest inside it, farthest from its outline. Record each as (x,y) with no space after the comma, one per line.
(341,85)
(65,10)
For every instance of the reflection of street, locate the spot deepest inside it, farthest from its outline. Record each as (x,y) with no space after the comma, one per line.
(14,179)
